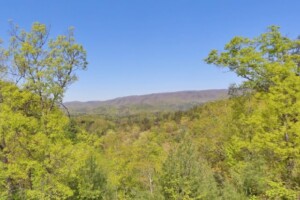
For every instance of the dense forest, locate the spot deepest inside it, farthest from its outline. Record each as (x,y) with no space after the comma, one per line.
(244,147)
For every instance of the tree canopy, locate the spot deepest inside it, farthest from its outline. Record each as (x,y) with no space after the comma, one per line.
(40,64)
(259,59)
(266,123)
(244,147)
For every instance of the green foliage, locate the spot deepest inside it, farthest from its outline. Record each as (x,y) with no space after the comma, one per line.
(43,66)
(265,122)
(255,59)
(39,158)
(246,147)
(186,176)
(34,151)
(278,191)
(92,181)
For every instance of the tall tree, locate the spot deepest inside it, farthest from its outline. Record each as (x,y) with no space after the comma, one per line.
(37,156)
(42,65)
(255,59)
(266,122)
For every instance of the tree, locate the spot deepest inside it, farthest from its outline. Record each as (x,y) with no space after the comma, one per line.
(255,59)
(266,122)
(185,176)
(41,65)
(92,182)
(37,156)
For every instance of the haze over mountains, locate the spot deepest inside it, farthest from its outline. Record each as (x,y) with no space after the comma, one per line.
(159,102)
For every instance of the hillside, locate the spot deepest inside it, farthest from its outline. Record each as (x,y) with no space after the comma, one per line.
(159,102)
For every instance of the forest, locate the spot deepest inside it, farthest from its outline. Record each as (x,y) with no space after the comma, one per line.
(243,147)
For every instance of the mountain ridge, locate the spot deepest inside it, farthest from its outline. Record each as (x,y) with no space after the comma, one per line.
(154,102)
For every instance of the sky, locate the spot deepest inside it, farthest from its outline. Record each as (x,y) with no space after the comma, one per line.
(139,47)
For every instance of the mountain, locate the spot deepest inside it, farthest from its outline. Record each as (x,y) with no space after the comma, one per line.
(159,102)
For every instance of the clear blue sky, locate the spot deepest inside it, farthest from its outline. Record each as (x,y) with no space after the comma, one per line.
(148,46)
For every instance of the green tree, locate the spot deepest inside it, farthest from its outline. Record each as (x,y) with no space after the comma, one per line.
(92,182)
(265,122)
(185,176)
(255,59)
(42,65)
(37,156)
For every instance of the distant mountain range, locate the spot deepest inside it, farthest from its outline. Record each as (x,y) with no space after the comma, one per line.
(159,102)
